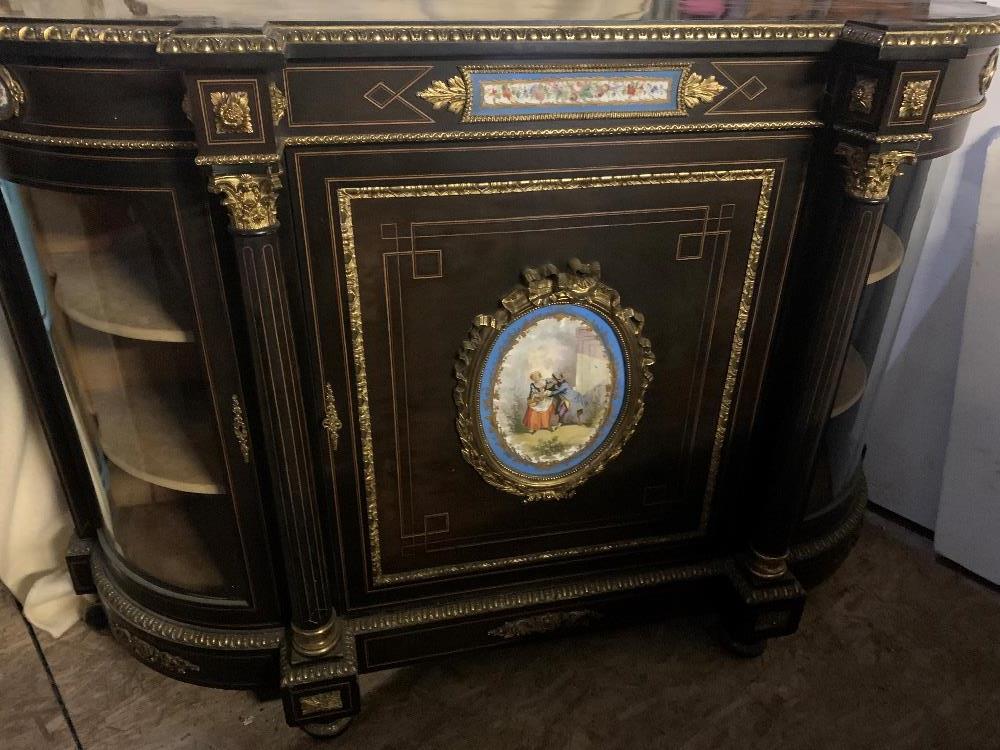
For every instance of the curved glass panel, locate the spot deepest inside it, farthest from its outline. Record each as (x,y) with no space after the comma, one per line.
(897,253)
(111,279)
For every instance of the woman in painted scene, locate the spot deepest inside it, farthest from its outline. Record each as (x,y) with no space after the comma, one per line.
(541,411)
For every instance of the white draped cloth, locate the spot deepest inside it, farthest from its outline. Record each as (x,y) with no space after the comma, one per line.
(35,525)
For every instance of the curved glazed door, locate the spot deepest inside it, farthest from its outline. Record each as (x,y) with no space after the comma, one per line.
(127,280)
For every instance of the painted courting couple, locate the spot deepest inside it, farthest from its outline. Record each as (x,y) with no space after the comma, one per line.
(552,402)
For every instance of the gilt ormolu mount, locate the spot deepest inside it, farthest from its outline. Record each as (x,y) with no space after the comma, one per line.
(660,230)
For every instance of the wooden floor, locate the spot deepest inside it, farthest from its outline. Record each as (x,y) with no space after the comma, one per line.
(895,651)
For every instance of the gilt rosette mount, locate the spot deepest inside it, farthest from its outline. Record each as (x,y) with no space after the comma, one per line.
(551,386)
(510,93)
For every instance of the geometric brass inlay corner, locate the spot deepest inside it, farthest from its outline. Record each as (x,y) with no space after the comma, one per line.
(913,104)
(862,96)
(987,73)
(279,103)
(869,175)
(232,111)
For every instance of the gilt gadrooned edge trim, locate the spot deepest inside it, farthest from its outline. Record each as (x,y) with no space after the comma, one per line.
(274,36)
(876,138)
(951,114)
(148,622)
(457,33)
(237,159)
(96,143)
(75,32)
(218,44)
(790,32)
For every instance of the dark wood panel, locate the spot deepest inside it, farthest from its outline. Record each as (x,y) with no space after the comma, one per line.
(425,320)
(103,102)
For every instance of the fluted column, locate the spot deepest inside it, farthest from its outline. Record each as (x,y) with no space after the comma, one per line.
(251,199)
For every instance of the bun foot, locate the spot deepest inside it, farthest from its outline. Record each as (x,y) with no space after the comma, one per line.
(330,729)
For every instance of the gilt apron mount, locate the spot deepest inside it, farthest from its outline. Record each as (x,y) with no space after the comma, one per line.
(550,387)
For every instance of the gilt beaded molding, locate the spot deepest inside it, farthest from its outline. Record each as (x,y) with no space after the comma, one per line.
(274,37)
(155,625)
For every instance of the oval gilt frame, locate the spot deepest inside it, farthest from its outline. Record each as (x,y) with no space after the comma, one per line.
(543,287)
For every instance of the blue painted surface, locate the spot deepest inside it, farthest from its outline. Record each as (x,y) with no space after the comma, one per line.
(501,345)
(480,110)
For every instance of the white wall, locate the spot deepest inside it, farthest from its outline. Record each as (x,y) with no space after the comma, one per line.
(968,522)
(912,415)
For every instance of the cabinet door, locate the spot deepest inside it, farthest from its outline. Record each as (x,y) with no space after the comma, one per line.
(535,446)
(127,280)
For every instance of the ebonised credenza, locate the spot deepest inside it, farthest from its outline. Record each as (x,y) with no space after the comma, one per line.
(365,341)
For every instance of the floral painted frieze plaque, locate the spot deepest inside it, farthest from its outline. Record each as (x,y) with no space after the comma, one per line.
(510,93)
(550,387)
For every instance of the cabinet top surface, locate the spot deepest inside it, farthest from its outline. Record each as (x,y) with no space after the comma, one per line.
(256,13)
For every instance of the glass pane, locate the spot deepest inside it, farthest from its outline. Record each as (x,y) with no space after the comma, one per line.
(111,282)
(896,256)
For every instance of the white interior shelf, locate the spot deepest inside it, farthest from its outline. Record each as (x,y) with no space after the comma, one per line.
(852,383)
(168,443)
(888,256)
(116,293)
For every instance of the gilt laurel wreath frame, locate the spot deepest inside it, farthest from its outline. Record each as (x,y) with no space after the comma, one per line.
(542,287)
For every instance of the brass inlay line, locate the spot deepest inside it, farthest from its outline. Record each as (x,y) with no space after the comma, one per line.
(950,114)
(344,198)
(96,143)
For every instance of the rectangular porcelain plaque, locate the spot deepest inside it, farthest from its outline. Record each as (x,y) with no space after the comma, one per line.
(543,94)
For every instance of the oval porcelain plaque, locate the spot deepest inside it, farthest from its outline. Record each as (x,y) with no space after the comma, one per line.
(550,387)
(551,390)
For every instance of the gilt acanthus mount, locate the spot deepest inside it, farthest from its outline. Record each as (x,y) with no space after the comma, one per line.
(550,386)
(508,93)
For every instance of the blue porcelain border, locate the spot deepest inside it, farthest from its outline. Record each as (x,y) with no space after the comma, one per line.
(612,343)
